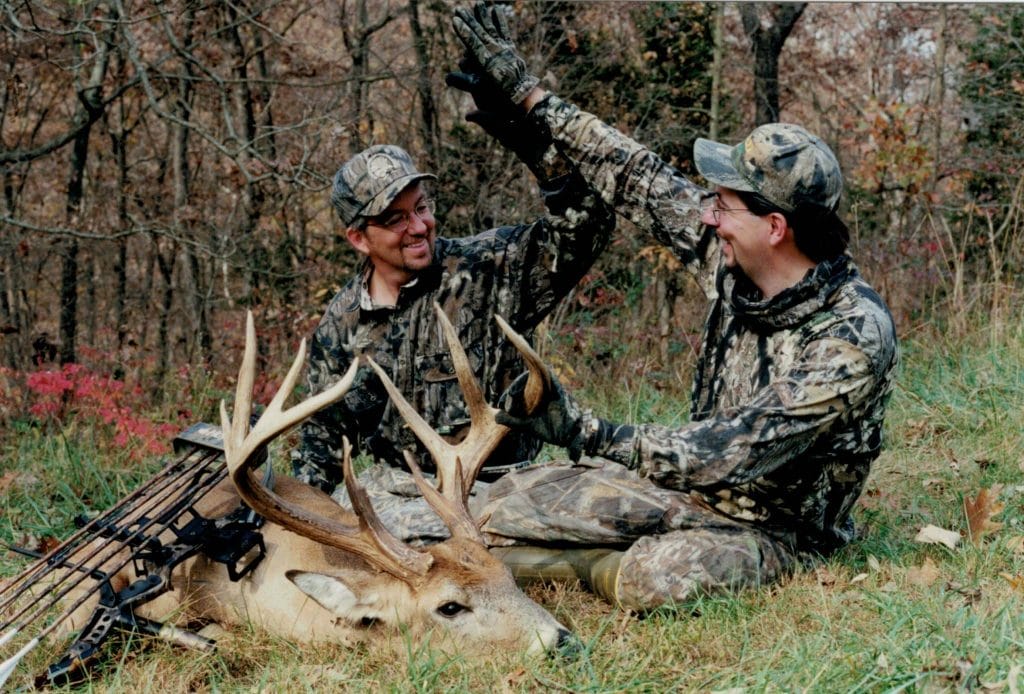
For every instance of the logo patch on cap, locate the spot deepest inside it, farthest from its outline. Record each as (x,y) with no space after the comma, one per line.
(380,166)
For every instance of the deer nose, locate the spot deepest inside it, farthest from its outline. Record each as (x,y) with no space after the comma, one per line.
(568,645)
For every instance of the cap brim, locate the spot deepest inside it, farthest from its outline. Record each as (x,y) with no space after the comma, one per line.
(379,202)
(714,162)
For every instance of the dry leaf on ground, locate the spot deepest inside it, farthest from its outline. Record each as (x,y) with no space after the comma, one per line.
(1015,544)
(513,680)
(980,510)
(1016,582)
(923,575)
(934,535)
(7,479)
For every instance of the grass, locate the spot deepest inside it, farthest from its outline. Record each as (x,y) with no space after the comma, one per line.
(865,620)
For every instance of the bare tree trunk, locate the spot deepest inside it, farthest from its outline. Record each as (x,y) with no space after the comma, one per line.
(69,248)
(14,317)
(198,289)
(90,105)
(357,42)
(92,307)
(8,324)
(664,307)
(69,251)
(938,95)
(119,146)
(767,39)
(428,110)
(716,72)
(245,117)
(165,263)
(146,293)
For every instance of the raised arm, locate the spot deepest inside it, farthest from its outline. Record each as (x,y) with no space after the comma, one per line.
(629,177)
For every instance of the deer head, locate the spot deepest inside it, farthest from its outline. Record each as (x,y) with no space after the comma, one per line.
(455,589)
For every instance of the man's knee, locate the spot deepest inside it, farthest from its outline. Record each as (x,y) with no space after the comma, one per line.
(677,567)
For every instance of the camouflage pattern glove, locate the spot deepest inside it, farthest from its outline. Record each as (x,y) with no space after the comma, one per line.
(558,420)
(486,35)
(496,114)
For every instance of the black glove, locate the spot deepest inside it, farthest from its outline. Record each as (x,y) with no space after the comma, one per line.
(558,420)
(495,112)
(528,138)
(486,35)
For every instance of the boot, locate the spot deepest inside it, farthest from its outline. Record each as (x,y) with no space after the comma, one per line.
(604,577)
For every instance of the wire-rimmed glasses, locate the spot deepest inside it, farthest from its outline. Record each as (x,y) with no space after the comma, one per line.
(397,221)
(710,203)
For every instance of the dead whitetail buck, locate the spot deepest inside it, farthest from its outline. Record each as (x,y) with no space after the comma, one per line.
(365,583)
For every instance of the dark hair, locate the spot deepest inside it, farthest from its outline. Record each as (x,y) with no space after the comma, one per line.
(819,233)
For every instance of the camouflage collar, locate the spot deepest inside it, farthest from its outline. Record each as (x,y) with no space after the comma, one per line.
(791,306)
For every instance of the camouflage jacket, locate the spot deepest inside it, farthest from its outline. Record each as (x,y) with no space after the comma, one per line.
(519,272)
(789,393)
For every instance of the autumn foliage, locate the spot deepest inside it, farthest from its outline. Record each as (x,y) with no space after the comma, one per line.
(59,396)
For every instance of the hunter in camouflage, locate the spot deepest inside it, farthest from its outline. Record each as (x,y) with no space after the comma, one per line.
(788,401)
(386,312)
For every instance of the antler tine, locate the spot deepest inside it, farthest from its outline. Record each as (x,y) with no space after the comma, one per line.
(455,516)
(454,479)
(239,443)
(538,383)
(430,438)
(371,526)
(472,393)
(241,446)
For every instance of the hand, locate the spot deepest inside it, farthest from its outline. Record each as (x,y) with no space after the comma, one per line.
(487,95)
(499,117)
(486,35)
(558,420)
(495,112)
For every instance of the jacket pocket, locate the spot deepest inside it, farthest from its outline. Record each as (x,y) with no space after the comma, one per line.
(443,406)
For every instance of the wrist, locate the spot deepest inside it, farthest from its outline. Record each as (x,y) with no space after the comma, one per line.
(534,97)
(588,430)
(606,439)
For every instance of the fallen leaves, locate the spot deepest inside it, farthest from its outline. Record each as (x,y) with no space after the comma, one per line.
(1016,582)
(7,479)
(979,512)
(934,535)
(38,544)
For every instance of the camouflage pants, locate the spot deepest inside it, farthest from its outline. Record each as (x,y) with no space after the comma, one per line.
(675,546)
(401,508)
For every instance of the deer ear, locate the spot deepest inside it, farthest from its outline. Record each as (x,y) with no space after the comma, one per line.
(332,594)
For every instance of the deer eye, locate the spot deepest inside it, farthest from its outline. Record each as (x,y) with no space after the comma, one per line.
(450,609)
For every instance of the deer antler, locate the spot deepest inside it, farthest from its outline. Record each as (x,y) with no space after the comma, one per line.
(484,434)
(369,539)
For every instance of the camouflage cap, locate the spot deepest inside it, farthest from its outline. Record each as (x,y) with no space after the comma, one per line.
(367,183)
(783,162)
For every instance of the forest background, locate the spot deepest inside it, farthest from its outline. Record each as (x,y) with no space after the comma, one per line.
(165,166)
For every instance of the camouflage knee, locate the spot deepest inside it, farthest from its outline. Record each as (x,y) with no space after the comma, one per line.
(592,502)
(678,566)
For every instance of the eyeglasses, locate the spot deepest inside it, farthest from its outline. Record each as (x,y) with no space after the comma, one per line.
(397,221)
(709,203)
